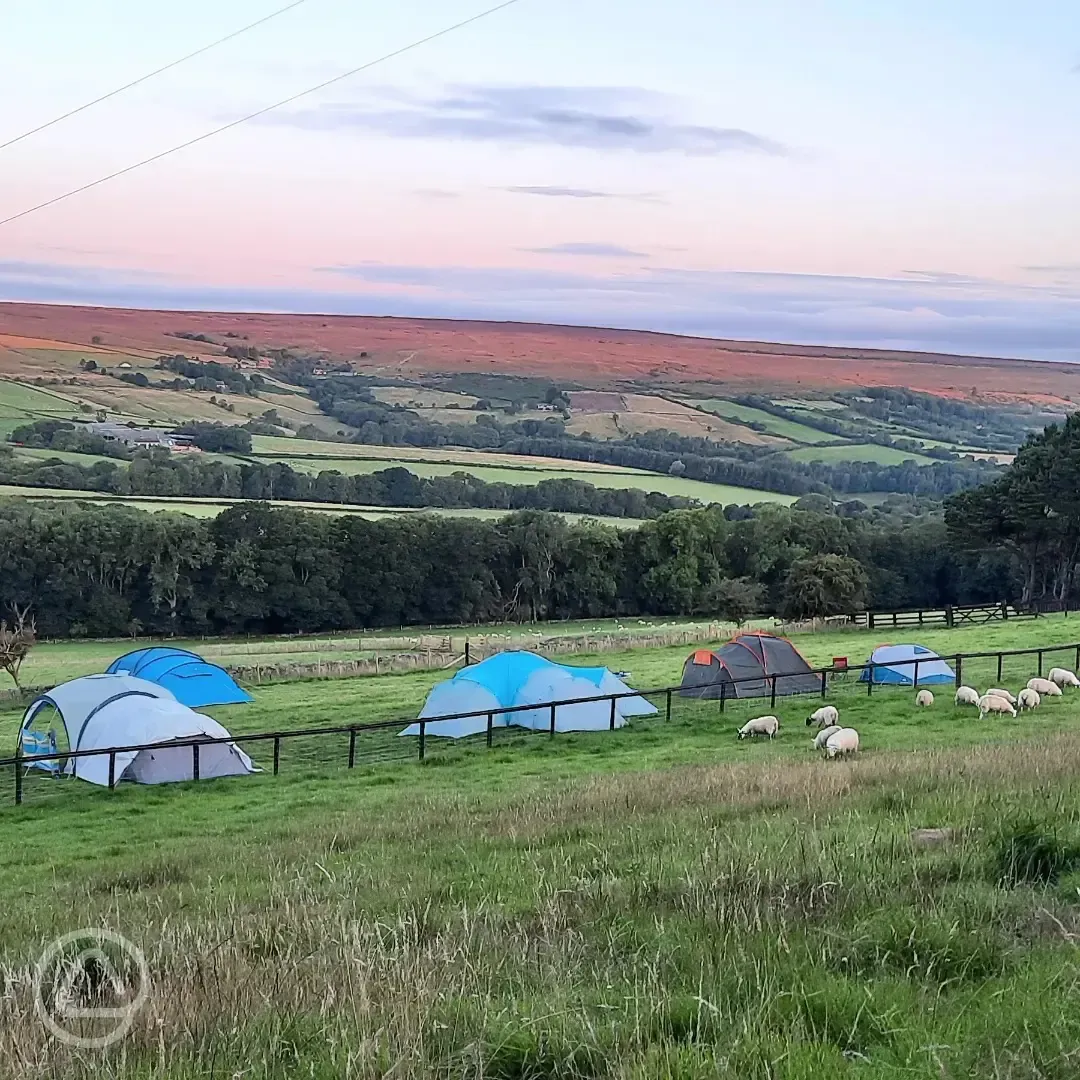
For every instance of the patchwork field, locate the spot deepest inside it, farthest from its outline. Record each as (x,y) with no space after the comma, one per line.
(774,425)
(882,455)
(661,901)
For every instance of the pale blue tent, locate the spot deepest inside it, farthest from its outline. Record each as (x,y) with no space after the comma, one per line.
(895,665)
(521,678)
(191,680)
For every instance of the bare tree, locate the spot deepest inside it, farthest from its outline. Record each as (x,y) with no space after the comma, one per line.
(16,642)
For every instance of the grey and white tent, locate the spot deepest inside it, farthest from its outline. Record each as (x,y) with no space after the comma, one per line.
(746,667)
(105,711)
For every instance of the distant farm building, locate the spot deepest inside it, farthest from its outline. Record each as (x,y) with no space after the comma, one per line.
(139,438)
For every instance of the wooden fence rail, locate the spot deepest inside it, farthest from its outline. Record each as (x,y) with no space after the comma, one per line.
(22,762)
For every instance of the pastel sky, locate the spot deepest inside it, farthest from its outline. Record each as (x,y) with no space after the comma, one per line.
(902,173)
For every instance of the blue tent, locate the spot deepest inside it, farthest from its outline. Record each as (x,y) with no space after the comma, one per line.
(895,665)
(192,681)
(521,678)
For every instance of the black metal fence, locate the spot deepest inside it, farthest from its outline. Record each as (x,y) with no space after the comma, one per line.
(830,680)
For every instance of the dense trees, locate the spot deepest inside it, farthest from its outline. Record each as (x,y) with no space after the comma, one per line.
(1031,514)
(96,570)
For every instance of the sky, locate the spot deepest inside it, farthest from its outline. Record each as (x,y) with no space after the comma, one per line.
(902,174)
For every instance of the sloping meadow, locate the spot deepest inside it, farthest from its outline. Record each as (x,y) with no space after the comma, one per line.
(899,915)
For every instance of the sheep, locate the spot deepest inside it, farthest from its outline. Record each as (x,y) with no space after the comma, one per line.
(924,699)
(1027,699)
(966,695)
(826,716)
(989,703)
(761,725)
(823,736)
(842,742)
(1063,677)
(1044,687)
(1010,698)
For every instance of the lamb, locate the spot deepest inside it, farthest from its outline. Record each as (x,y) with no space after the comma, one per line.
(1010,698)
(1044,687)
(1063,677)
(823,736)
(1027,699)
(924,699)
(761,725)
(989,703)
(824,717)
(966,695)
(842,742)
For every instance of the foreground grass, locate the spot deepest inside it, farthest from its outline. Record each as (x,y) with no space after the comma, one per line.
(760,918)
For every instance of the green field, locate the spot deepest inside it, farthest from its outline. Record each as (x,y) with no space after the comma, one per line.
(882,455)
(774,425)
(663,901)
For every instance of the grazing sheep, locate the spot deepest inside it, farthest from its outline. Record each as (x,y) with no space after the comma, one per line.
(823,736)
(1063,677)
(966,695)
(1044,687)
(924,699)
(1027,699)
(761,725)
(1010,698)
(989,703)
(824,717)
(842,742)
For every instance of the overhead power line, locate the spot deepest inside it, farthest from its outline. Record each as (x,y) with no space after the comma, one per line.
(151,74)
(261,112)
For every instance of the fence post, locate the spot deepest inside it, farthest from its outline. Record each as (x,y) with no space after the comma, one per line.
(1040,663)
(870,680)
(194,761)
(112,770)
(611,722)
(916,673)
(999,667)
(949,616)
(920,616)
(772,694)
(552,731)
(18,774)
(894,619)
(824,683)
(1077,664)
(723,695)
(668,715)
(352,747)
(277,753)
(423,734)
(467,660)
(959,662)
(490,725)
(869,620)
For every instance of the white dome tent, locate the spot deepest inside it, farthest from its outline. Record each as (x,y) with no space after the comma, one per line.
(103,711)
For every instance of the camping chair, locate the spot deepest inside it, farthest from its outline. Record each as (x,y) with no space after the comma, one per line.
(839,666)
(40,742)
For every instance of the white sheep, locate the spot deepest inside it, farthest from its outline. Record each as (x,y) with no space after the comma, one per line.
(1063,677)
(842,742)
(1044,687)
(826,716)
(760,725)
(989,703)
(1028,699)
(823,736)
(966,695)
(924,699)
(1010,698)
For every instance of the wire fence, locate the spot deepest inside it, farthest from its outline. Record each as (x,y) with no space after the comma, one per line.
(318,749)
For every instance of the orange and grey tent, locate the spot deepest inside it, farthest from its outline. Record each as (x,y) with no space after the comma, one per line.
(744,668)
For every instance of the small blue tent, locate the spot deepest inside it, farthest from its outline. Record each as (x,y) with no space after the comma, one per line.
(895,665)
(192,681)
(519,679)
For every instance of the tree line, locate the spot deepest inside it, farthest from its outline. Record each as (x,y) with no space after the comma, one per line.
(82,569)
(160,473)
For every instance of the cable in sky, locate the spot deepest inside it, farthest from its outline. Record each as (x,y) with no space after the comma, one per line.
(262,112)
(151,74)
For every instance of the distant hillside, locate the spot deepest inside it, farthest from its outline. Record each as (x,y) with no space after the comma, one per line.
(33,335)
